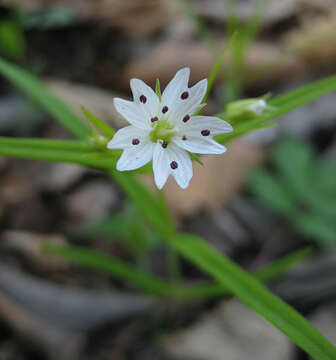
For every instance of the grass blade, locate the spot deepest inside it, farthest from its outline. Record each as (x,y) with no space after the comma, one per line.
(251,292)
(40,93)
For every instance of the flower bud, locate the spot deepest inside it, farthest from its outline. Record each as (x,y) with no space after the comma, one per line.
(246,109)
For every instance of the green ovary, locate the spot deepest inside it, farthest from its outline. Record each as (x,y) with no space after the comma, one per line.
(162,131)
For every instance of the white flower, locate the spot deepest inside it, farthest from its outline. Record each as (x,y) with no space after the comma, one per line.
(165,131)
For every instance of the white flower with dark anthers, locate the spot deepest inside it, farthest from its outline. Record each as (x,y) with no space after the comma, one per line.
(165,131)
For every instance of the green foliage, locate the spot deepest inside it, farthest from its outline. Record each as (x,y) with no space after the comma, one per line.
(98,124)
(128,227)
(252,293)
(12,40)
(52,17)
(281,105)
(302,190)
(230,277)
(45,98)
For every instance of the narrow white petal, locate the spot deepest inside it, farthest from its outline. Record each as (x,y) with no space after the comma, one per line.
(161,167)
(132,112)
(123,137)
(190,105)
(198,145)
(162,161)
(196,124)
(145,97)
(135,157)
(175,88)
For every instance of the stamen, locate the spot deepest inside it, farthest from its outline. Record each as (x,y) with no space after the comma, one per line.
(165,144)
(135,141)
(185,95)
(164,109)
(205,132)
(154,119)
(174,165)
(184,137)
(143,99)
(186,118)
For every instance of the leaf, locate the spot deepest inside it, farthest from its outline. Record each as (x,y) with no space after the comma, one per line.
(295,161)
(218,66)
(316,227)
(111,266)
(283,104)
(39,92)
(97,123)
(158,89)
(271,192)
(266,273)
(94,160)
(257,297)
(12,40)
(150,207)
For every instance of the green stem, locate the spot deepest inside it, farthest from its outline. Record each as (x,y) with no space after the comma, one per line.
(47,143)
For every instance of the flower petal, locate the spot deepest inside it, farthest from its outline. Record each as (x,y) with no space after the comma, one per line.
(132,112)
(123,138)
(199,145)
(162,165)
(135,157)
(196,124)
(145,97)
(172,92)
(190,105)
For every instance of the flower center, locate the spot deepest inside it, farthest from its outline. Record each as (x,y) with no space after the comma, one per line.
(162,131)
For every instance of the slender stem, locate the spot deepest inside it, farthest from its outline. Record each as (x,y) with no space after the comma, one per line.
(173,259)
(47,143)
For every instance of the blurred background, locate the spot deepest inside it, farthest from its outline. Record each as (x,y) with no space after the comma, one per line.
(272,193)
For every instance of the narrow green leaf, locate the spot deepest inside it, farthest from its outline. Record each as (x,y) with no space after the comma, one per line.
(294,161)
(266,273)
(251,292)
(111,266)
(316,227)
(39,92)
(47,144)
(271,192)
(283,104)
(94,160)
(150,207)
(158,89)
(99,124)
(217,67)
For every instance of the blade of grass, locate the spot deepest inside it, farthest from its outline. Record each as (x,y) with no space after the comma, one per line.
(111,266)
(251,292)
(100,125)
(150,206)
(48,144)
(39,92)
(283,104)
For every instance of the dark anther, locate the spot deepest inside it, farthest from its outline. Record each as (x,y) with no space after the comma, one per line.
(165,144)
(186,118)
(154,119)
(135,141)
(165,109)
(174,165)
(143,99)
(205,132)
(185,95)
